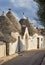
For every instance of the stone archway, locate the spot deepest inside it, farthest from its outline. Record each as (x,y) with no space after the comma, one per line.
(26,41)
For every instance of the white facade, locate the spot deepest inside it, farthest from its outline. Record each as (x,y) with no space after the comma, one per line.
(13,48)
(44,42)
(15,34)
(2,49)
(33,42)
(23,44)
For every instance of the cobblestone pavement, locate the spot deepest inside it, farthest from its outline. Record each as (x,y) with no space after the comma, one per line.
(36,57)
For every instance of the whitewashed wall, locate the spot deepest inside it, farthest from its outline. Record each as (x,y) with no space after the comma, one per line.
(44,41)
(2,49)
(26,32)
(40,43)
(22,45)
(13,47)
(15,34)
(32,42)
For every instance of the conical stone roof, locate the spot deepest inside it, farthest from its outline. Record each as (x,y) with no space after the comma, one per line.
(6,27)
(30,27)
(14,20)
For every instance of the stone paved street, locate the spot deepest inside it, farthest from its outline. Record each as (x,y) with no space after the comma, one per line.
(36,57)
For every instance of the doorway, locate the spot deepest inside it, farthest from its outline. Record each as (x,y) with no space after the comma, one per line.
(18,43)
(37,43)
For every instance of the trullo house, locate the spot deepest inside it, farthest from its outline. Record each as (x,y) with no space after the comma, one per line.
(19,35)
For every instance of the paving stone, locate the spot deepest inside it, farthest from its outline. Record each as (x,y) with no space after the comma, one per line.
(43,63)
(28,58)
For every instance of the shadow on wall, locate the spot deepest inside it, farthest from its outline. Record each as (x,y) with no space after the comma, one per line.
(20,46)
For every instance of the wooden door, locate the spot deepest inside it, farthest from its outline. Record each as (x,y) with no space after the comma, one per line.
(38,43)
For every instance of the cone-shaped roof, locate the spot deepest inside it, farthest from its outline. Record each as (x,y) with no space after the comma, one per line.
(13,20)
(6,27)
(27,23)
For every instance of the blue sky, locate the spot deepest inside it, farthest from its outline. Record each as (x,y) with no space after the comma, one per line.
(29,7)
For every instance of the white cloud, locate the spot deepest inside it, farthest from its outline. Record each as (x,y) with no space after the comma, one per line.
(37,24)
(29,4)
(12,1)
(22,3)
(34,22)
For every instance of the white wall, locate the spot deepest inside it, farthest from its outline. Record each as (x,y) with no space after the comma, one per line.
(32,42)
(13,47)
(41,42)
(15,34)
(2,49)
(44,42)
(22,45)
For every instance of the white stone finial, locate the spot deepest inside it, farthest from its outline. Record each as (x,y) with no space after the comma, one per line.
(24,16)
(9,9)
(3,13)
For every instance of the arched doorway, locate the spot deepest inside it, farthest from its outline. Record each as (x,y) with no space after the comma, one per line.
(37,43)
(26,41)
